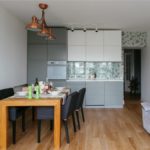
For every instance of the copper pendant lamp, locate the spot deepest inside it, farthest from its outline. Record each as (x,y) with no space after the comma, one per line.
(40,24)
(51,36)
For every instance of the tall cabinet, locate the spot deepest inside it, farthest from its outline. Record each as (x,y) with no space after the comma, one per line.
(37,57)
(102,46)
(41,50)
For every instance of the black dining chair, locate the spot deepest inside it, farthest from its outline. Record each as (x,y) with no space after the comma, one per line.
(14,112)
(66,110)
(79,105)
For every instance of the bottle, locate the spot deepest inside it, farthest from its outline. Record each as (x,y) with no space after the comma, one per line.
(37,91)
(36,84)
(94,75)
(29,92)
(51,85)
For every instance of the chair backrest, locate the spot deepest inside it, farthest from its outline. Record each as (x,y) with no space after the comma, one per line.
(5,93)
(80,98)
(69,105)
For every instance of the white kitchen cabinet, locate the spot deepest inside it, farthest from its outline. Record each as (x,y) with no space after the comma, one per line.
(76,53)
(94,45)
(112,46)
(76,37)
(94,53)
(112,53)
(112,37)
(94,38)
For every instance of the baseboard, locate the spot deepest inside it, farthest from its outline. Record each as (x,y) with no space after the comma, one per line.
(112,106)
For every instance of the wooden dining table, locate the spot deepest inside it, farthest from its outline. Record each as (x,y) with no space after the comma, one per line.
(21,102)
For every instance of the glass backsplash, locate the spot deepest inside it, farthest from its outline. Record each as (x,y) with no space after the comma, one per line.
(95,70)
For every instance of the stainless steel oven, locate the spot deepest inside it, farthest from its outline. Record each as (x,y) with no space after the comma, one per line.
(56,69)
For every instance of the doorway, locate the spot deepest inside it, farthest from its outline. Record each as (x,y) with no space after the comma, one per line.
(132,74)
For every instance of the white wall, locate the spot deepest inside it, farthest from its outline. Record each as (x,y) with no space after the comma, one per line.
(13,50)
(145,72)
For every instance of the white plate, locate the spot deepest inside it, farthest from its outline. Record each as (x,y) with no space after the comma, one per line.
(21,93)
(55,93)
(60,88)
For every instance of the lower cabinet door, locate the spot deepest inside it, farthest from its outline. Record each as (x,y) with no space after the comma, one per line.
(76,86)
(114,94)
(95,93)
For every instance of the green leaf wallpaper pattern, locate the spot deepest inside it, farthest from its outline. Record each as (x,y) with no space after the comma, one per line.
(134,39)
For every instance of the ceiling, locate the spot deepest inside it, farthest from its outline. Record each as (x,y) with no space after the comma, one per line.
(128,15)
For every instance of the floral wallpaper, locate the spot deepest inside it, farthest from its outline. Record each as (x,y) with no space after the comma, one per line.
(134,39)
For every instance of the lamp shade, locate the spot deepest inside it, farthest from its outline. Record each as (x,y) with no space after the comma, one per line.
(44,31)
(40,25)
(50,35)
(34,25)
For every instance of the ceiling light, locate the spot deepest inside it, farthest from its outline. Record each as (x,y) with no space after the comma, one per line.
(40,24)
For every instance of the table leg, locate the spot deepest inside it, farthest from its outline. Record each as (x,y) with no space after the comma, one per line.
(57,125)
(0,127)
(3,129)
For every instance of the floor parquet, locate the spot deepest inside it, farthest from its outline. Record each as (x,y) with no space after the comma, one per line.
(104,129)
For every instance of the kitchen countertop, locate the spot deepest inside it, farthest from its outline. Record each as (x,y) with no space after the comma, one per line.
(92,80)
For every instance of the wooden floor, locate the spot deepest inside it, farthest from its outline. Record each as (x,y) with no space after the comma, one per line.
(104,129)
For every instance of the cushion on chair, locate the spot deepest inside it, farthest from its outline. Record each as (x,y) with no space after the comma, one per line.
(66,109)
(5,93)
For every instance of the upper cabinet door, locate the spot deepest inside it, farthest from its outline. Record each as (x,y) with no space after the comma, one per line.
(94,53)
(112,46)
(76,53)
(112,53)
(37,52)
(60,35)
(76,37)
(112,38)
(33,38)
(94,38)
(57,52)
(94,45)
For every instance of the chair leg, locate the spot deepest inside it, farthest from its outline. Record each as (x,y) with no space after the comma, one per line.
(82,114)
(39,131)
(14,132)
(74,124)
(66,130)
(51,124)
(23,121)
(33,113)
(77,115)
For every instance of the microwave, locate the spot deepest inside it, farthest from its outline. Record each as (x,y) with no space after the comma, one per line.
(56,70)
